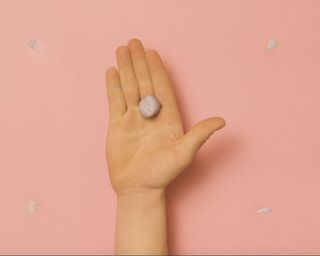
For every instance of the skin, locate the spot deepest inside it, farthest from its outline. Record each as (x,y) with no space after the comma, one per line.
(145,155)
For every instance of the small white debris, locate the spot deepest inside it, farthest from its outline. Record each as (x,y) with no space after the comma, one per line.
(33,44)
(265,210)
(271,44)
(31,207)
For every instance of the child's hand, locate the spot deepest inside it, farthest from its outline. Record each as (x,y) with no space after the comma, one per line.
(147,154)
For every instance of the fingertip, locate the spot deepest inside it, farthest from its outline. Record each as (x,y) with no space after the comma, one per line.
(152,52)
(219,121)
(121,48)
(133,41)
(111,70)
(110,73)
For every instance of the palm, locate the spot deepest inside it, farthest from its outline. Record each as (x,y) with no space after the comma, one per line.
(142,153)
(138,148)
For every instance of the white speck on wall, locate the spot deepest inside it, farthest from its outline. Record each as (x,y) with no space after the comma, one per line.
(265,210)
(271,44)
(33,44)
(31,207)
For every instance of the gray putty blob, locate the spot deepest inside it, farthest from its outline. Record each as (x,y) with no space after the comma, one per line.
(149,106)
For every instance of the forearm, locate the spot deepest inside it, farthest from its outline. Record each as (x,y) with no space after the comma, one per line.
(141,226)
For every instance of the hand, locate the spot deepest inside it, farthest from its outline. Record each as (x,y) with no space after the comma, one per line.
(147,154)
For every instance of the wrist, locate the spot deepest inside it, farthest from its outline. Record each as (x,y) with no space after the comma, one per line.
(141,223)
(141,198)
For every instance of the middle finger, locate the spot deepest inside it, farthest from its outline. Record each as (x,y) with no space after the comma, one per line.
(140,67)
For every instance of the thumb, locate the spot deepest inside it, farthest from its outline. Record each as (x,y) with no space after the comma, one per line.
(199,133)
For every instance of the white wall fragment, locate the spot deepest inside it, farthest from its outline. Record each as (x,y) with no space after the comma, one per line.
(265,210)
(271,44)
(31,207)
(33,44)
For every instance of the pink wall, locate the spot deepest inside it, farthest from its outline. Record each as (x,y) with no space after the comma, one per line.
(54,112)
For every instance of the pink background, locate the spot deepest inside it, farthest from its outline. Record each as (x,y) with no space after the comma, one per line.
(54,112)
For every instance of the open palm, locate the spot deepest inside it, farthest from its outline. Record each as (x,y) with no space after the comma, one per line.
(147,153)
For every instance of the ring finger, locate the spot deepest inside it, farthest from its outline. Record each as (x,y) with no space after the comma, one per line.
(128,80)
